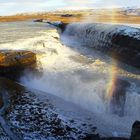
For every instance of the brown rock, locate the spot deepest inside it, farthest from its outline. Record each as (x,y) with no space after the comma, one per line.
(11,61)
(16,58)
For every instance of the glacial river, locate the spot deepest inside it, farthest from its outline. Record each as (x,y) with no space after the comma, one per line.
(77,74)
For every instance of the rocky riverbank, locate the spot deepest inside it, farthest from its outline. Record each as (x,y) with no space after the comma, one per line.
(25,116)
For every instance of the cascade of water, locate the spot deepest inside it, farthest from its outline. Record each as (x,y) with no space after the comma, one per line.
(119,41)
(84,76)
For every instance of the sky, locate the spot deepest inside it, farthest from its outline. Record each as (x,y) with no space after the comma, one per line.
(10,7)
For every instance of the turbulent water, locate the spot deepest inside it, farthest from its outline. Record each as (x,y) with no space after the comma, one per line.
(77,74)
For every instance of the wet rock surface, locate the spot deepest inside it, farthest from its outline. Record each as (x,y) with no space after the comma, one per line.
(13,63)
(16,58)
(27,117)
(3,135)
(135,134)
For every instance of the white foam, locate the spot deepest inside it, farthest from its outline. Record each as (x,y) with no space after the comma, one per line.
(78,78)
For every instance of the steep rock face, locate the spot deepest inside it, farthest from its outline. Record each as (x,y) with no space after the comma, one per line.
(12,63)
(135,134)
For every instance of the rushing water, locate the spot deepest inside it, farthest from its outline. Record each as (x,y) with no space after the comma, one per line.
(77,74)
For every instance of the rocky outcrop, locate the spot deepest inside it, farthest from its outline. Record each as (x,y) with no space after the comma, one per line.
(38,20)
(12,63)
(135,134)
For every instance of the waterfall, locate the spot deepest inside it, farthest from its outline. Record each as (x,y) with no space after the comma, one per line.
(118,41)
(73,70)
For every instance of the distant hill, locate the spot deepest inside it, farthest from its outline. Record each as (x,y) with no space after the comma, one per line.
(117,15)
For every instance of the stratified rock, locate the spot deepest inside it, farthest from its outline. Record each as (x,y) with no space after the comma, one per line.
(135,134)
(12,63)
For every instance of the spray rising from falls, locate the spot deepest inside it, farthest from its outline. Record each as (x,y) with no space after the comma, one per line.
(92,82)
(83,77)
(118,41)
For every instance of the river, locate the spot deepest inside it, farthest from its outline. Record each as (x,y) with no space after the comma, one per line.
(77,74)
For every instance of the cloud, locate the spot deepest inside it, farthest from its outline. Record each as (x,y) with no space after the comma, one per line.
(118,3)
(18,6)
(13,7)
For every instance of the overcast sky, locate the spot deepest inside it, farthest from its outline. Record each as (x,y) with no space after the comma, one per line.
(9,7)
